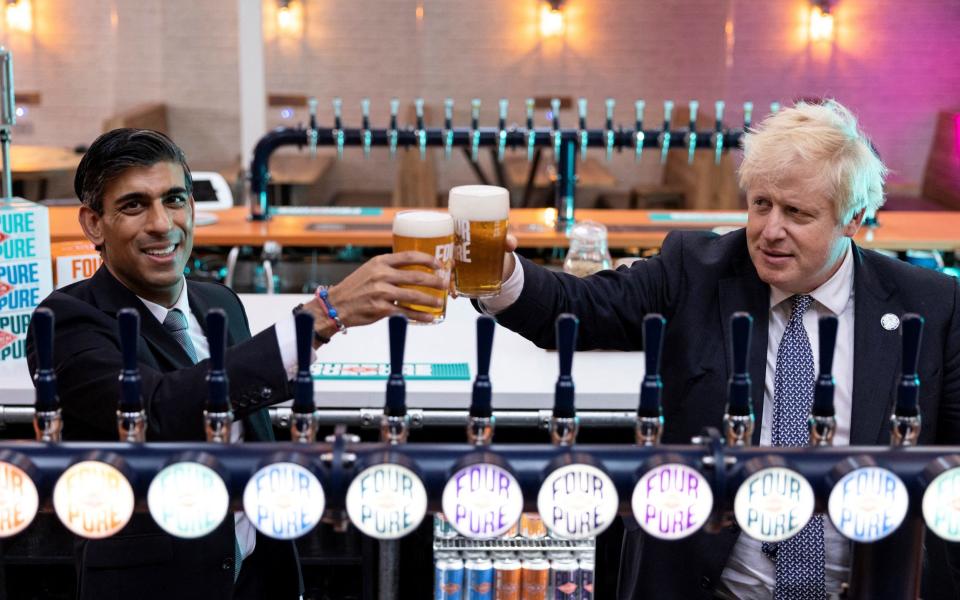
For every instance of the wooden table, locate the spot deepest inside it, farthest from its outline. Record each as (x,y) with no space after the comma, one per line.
(37,164)
(897,231)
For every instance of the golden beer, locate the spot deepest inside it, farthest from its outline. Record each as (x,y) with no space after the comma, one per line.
(431,233)
(480,222)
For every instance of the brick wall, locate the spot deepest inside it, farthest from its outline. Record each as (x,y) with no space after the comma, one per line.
(894,63)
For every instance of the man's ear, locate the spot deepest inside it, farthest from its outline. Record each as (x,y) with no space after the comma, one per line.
(853,226)
(92,224)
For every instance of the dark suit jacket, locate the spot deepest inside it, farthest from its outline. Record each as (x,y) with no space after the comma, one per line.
(142,561)
(697,282)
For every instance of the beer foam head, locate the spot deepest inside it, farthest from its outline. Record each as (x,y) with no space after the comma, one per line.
(422,224)
(479,203)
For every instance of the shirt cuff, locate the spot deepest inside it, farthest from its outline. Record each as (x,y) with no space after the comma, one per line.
(509,291)
(287,342)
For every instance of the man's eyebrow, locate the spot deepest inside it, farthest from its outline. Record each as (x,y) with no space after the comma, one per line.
(174,191)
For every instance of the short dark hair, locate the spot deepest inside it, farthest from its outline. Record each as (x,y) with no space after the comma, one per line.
(116,151)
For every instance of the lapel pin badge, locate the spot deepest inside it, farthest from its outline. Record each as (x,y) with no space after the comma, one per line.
(890,321)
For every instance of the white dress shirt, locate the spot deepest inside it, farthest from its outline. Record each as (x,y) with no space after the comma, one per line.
(749,574)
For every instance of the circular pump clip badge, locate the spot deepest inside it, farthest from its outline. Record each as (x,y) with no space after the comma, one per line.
(18,496)
(284,500)
(868,504)
(941,505)
(577,502)
(386,501)
(482,501)
(93,499)
(773,504)
(672,501)
(188,499)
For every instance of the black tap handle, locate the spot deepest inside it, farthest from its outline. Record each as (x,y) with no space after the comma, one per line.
(303,383)
(908,392)
(824,389)
(482,390)
(45,377)
(741,326)
(651,389)
(566,344)
(396,386)
(128,320)
(217,381)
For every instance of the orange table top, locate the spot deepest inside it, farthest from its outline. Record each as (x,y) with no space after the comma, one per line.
(628,228)
(42,160)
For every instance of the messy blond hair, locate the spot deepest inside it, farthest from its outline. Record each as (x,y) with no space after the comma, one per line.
(820,141)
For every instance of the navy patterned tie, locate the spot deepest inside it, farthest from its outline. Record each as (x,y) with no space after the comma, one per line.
(176,324)
(799,560)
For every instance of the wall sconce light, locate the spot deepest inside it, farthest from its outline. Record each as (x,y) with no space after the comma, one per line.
(290,17)
(19,15)
(551,18)
(821,20)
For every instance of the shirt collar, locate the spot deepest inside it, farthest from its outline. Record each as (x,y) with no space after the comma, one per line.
(833,293)
(160,312)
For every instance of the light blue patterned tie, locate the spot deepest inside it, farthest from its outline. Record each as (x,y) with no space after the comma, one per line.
(799,560)
(176,324)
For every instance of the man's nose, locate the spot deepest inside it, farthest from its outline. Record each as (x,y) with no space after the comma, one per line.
(773,226)
(159,219)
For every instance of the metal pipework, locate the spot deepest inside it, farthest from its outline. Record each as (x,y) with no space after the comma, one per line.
(47,421)
(717,138)
(447,127)
(608,127)
(365,116)
(502,129)
(531,131)
(665,135)
(691,137)
(312,133)
(337,128)
(421,131)
(639,106)
(131,418)
(822,421)
(555,134)
(582,120)
(392,134)
(905,421)
(8,116)
(474,129)
(738,420)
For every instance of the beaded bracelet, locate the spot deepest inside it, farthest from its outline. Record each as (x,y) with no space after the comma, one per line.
(319,339)
(323,295)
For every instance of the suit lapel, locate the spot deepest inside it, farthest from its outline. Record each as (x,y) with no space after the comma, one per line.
(876,351)
(746,292)
(112,295)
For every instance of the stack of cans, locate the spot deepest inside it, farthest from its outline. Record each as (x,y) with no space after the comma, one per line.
(477,575)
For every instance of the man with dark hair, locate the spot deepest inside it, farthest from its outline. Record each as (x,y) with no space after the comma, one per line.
(137,208)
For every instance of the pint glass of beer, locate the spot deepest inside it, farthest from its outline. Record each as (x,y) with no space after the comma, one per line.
(432,233)
(480,219)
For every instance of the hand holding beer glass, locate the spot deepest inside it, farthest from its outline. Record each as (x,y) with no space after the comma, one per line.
(429,232)
(480,215)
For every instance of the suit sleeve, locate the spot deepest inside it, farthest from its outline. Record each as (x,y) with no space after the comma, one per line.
(610,304)
(87,360)
(948,417)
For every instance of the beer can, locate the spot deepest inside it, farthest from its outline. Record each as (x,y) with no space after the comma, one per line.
(478,576)
(512,532)
(506,576)
(564,576)
(534,576)
(448,577)
(532,527)
(586,574)
(442,529)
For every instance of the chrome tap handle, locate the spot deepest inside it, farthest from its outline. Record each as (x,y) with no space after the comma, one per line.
(303,418)
(531,130)
(367,135)
(738,419)
(395,423)
(639,107)
(584,136)
(392,134)
(906,419)
(421,131)
(608,127)
(747,115)
(47,420)
(692,131)
(131,418)
(447,127)
(312,131)
(474,129)
(822,422)
(338,125)
(217,414)
(774,108)
(481,421)
(555,110)
(649,425)
(665,134)
(718,132)
(502,129)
